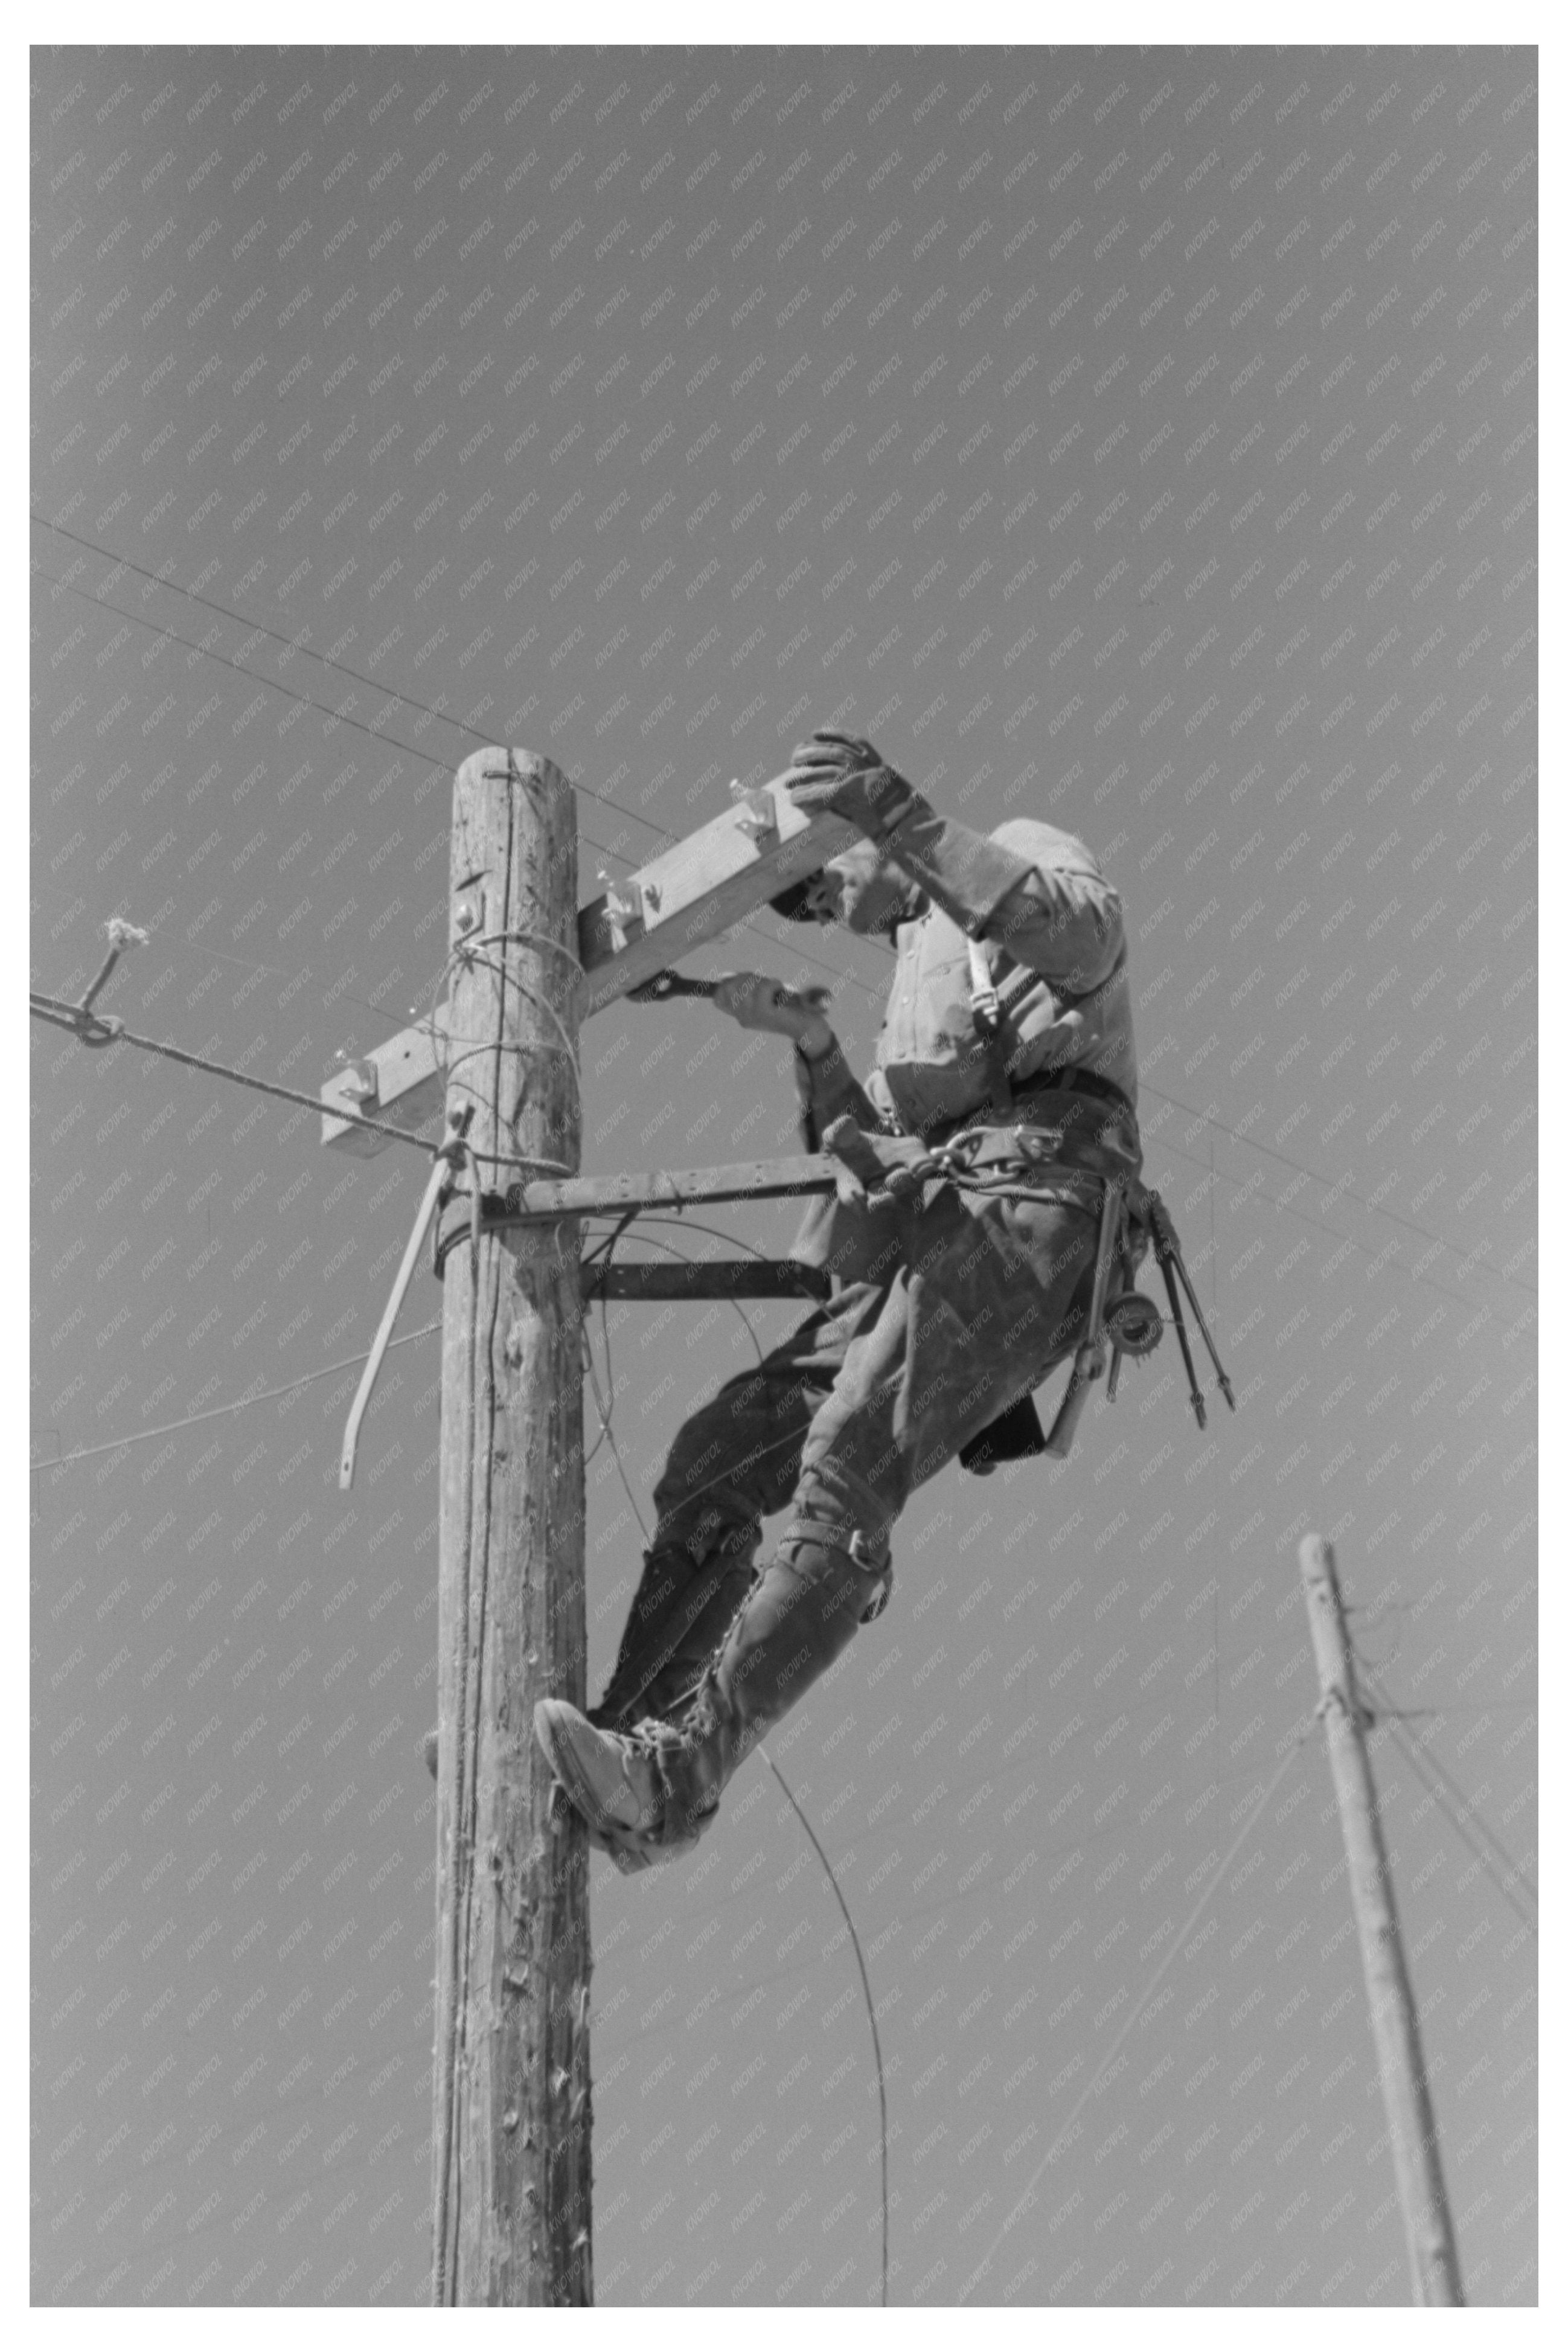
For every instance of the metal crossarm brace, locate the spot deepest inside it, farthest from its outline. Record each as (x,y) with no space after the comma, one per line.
(746,1179)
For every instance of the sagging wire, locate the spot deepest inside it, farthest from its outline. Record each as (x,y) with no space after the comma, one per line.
(607,1432)
(1418,1756)
(1172,1948)
(104,1029)
(853,978)
(686,1260)
(308,702)
(865,1987)
(606,1411)
(690,1225)
(156,931)
(473,1048)
(344,719)
(238,1404)
(1374,1208)
(259,628)
(290,1095)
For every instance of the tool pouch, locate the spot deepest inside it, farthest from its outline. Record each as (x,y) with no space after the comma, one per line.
(1014,1435)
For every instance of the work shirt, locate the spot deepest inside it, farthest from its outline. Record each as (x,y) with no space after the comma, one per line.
(1036,901)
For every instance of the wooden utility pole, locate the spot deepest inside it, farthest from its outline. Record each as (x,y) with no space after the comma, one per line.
(1412,2126)
(512,2156)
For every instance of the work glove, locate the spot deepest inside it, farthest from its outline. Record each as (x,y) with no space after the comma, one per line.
(757,1001)
(849,776)
(967,873)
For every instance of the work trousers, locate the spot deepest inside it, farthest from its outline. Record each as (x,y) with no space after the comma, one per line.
(867,1399)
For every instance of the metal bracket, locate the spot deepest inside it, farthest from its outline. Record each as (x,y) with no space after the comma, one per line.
(402,1080)
(453,1154)
(90,1028)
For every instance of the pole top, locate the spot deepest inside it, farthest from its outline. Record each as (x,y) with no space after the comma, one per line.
(1315,1556)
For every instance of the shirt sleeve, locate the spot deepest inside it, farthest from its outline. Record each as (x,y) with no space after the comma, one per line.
(1036,891)
(1065,921)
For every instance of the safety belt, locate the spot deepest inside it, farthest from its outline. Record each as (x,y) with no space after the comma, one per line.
(989,1007)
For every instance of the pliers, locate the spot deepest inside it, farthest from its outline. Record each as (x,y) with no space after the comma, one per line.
(664,985)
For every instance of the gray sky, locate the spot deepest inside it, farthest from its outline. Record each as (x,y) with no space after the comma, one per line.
(1145,441)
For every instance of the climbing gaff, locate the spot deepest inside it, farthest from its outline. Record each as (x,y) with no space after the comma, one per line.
(1220,1373)
(450,1157)
(1089,1363)
(1194,1393)
(1167,1251)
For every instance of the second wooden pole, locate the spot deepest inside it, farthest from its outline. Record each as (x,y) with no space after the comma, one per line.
(1412,2124)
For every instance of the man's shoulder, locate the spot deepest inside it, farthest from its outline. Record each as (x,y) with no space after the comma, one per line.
(1047,846)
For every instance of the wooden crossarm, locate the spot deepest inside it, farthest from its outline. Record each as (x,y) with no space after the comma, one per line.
(703,886)
(697,889)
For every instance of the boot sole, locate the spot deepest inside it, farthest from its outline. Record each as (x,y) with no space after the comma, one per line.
(554,1739)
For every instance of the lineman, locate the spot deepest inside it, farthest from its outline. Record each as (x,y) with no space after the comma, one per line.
(1008,1025)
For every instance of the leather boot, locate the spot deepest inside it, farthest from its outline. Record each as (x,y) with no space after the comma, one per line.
(655,1789)
(677,1618)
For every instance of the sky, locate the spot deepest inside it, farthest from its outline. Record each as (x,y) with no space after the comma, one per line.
(1141,440)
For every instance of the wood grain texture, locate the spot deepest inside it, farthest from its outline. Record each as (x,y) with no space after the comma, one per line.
(512,2157)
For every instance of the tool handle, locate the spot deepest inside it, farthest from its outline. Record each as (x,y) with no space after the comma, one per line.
(1088,1366)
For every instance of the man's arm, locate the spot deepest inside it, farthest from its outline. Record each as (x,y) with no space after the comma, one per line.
(827,1087)
(1053,912)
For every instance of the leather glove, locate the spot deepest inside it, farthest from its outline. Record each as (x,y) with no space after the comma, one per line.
(848,775)
(757,1001)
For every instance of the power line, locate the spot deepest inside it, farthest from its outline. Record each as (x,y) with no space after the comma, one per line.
(238,1404)
(344,719)
(115,1034)
(123,562)
(328,661)
(157,628)
(241,963)
(605,1416)
(1172,1948)
(1375,1208)
(1418,1756)
(865,1987)
(1289,1209)
(293,645)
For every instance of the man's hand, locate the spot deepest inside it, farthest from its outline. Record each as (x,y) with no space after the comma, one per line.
(848,775)
(757,1001)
